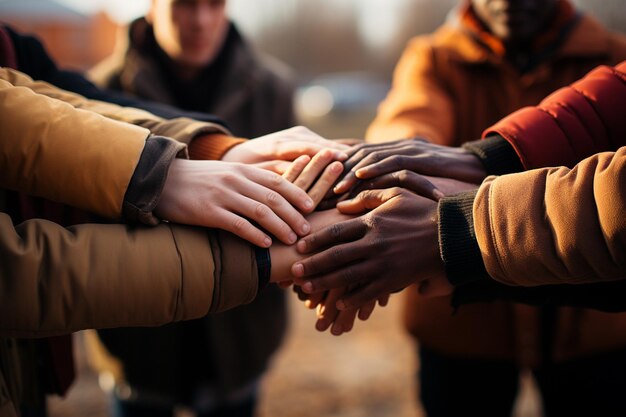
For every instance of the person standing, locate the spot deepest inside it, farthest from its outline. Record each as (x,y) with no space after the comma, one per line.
(187,53)
(489,59)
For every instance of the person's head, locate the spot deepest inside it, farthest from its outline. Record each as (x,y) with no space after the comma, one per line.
(190,32)
(514,20)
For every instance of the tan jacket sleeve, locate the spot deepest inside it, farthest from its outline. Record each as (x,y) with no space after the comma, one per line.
(50,149)
(55,280)
(417,104)
(181,129)
(555,225)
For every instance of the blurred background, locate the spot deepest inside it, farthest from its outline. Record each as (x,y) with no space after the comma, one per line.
(342,53)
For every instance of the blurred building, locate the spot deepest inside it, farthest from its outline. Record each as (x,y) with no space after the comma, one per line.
(74,40)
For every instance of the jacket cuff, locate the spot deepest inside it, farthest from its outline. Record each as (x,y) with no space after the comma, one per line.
(457,240)
(496,154)
(212,146)
(146,184)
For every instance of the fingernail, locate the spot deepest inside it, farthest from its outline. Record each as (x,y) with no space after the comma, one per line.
(267,242)
(336,167)
(306,228)
(339,186)
(438,194)
(341,305)
(308,204)
(292,238)
(307,287)
(301,246)
(341,155)
(298,270)
(337,329)
(360,172)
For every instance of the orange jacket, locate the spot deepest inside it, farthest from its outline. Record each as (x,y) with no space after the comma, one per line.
(447,88)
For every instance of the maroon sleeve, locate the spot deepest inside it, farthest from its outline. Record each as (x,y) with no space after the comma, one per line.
(573,123)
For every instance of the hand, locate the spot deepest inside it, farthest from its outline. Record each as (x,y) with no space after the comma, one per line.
(225,195)
(414,155)
(284,256)
(316,175)
(285,145)
(383,251)
(342,321)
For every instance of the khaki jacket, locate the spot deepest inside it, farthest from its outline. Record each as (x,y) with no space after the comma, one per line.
(447,88)
(253,95)
(57,280)
(529,225)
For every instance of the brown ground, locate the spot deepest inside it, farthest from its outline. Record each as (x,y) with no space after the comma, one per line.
(365,373)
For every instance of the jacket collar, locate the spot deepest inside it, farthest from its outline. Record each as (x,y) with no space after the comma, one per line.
(139,72)
(470,43)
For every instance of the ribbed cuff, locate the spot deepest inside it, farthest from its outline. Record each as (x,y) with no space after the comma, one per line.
(457,239)
(212,146)
(496,154)
(146,184)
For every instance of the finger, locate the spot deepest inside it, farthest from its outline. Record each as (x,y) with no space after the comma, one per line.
(344,322)
(313,169)
(327,311)
(339,232)
(313,300)
(366,311)
(435,287)
(365,157)
(325,182)
(409,180)
(364,294)
(383,300)
(288,191)
(269,218)
(296,168)
(349,274)
(241,227)
(290,150)
(366,200)
(279,167)
(349,141)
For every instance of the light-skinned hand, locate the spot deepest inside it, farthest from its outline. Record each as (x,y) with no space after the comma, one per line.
(285,145)
(229,196)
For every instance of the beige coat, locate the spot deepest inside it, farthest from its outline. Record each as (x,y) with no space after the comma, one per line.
(57,280)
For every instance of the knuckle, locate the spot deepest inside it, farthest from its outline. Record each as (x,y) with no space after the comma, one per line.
(239,224)
(335,231)
(275,179)
(273,199)
(261,210)
(336,254)
(230,179)
(348,275)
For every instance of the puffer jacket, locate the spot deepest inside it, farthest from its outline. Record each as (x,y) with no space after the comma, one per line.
(57,280)
(448,87)
(529,226)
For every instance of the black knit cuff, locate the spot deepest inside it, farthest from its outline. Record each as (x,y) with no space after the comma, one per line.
(496,154)
(146,185)
(457,240)
(264,266)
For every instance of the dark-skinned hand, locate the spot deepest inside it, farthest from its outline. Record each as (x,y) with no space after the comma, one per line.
(384,250)
(403,163)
